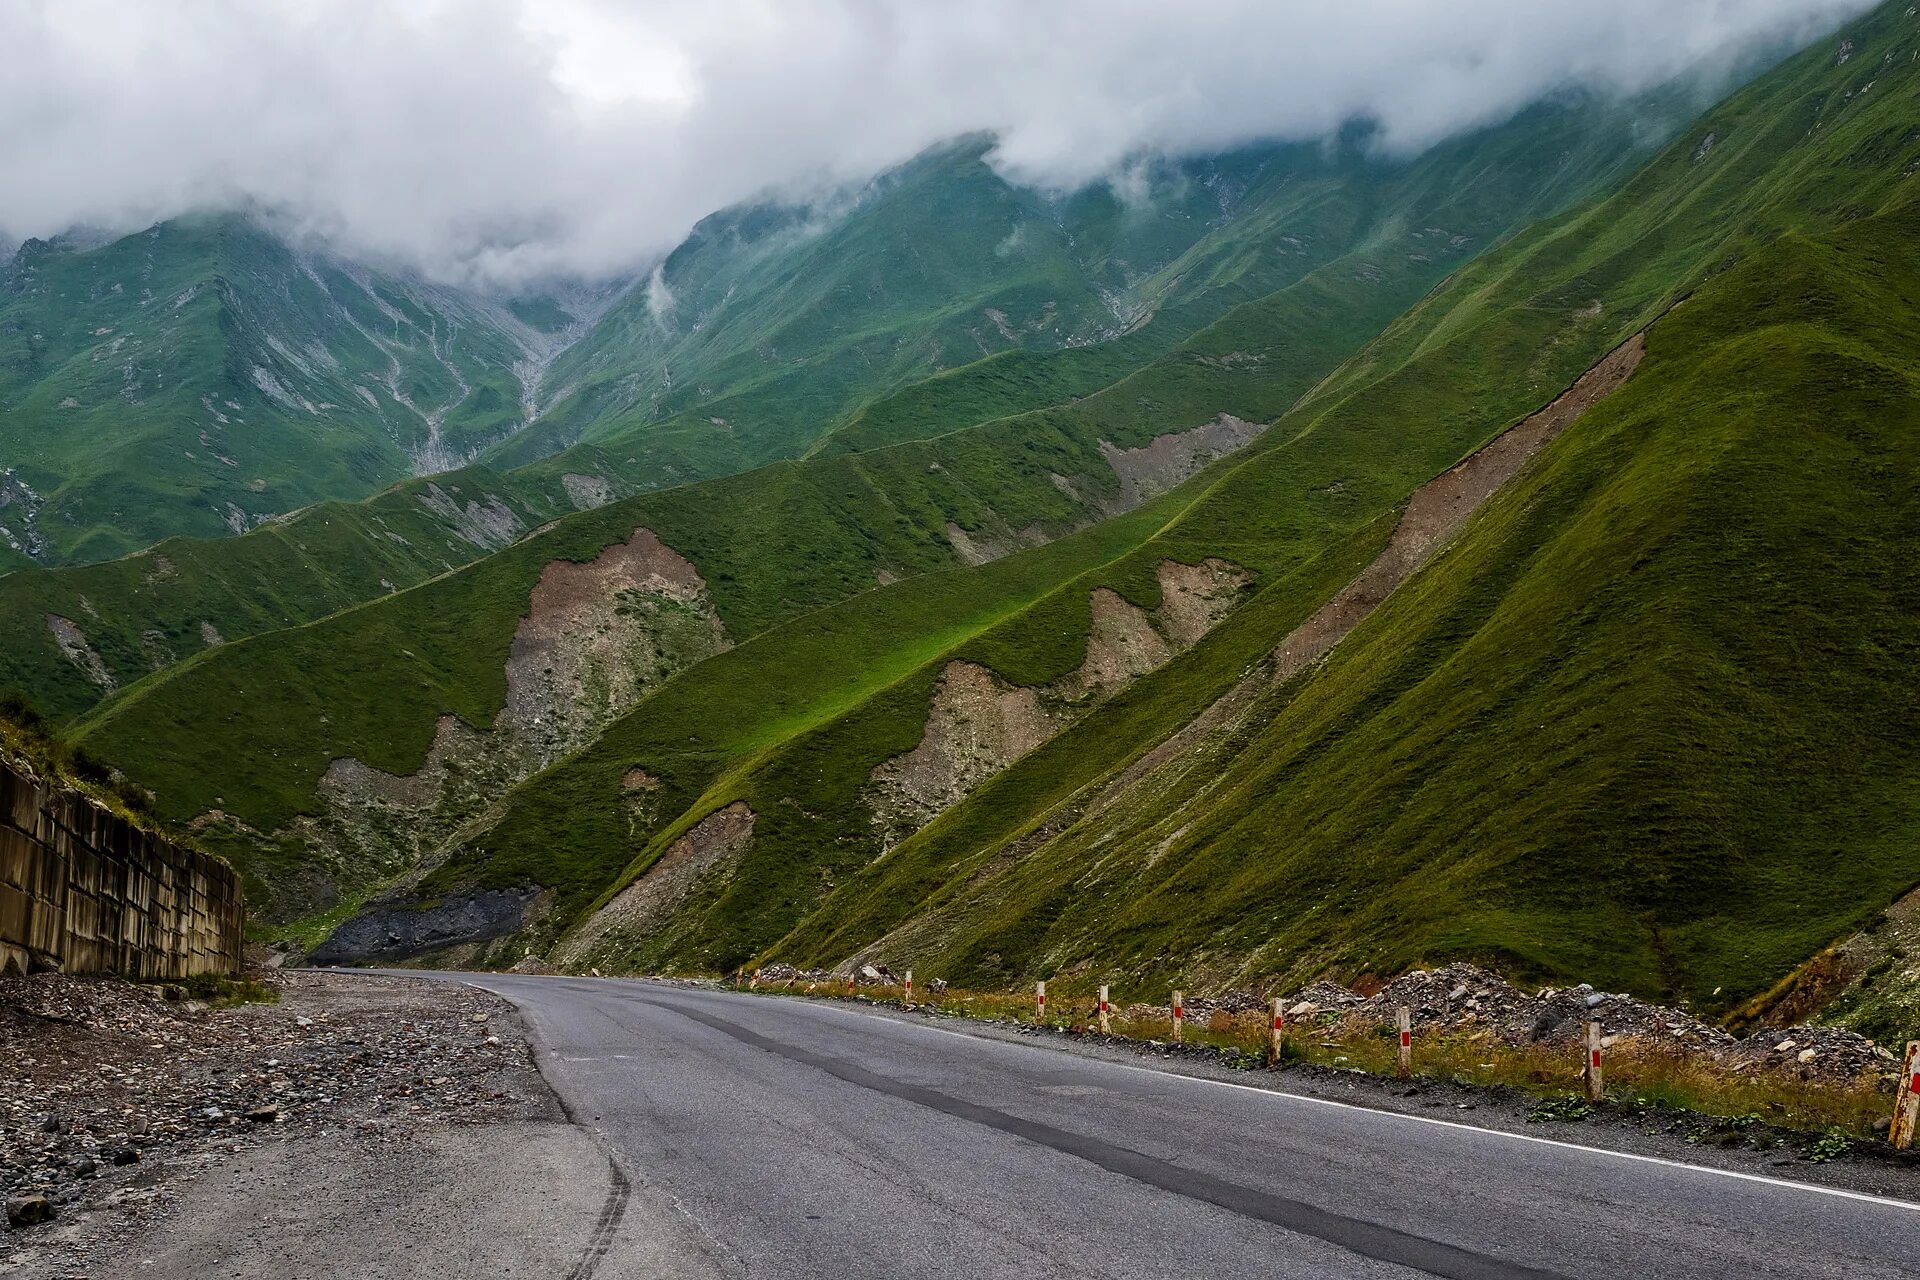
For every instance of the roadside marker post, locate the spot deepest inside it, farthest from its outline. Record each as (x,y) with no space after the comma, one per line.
(1179,1017)
(1906,1102)
(1279,1035)
(1403,1065)
(1596,1088)
(1106,1027)
(907,998)
(849,982)
(1040,1002)
(754,981)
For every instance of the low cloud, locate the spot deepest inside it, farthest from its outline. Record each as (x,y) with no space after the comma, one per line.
(507,140)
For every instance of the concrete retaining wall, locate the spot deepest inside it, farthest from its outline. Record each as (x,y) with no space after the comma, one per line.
(83,891)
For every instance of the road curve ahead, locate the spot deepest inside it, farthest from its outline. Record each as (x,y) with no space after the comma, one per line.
(770,1137)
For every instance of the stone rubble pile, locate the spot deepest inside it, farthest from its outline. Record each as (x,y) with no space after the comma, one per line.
(1463,997)
(97,1075)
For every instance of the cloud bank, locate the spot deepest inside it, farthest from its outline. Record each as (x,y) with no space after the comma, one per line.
(507,140)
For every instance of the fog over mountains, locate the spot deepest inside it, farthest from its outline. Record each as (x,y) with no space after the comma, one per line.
(512,141)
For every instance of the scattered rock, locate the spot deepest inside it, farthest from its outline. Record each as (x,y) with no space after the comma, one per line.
(29,1211)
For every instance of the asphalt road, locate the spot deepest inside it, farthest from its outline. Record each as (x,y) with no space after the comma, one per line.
(770,1137)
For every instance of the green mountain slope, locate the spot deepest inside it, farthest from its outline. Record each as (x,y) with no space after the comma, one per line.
(372,684)
(202,376)
(1318,250)
(1641,724)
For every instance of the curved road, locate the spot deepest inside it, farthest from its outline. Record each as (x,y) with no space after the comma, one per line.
(770,1137)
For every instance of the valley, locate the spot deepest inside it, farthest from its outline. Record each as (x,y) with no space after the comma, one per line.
(1316,562)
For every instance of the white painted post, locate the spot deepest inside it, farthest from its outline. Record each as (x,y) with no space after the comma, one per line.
(1403,1066)
(1179,1017)
(754,981)
(1040,1002)
(1596,1088)
(849,982)
(1105,1026)
(1906,1102)
(908,997)
(1279,1035)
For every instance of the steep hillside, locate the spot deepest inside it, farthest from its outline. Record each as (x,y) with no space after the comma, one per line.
(1642,722)
(1317,251)
(401,683)
(771,326)
(202,377)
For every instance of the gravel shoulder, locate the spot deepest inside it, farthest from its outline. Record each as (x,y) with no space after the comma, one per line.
(1663,1134)
(363,1126)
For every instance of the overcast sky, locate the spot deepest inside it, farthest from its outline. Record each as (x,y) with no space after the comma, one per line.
(507,139)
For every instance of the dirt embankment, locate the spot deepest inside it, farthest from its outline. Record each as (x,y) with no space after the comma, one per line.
(1440,508)
(597,635)
(712,847)
(978,724)
(1143,473)
(1166,460)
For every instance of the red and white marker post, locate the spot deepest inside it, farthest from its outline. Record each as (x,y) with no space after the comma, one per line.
(1106,1027)
(1040,1002)
(849,982)
(907,995)
(1596,1087)
(1403,1063)
(1906,1102)
(1179,1017)
(1279,1034)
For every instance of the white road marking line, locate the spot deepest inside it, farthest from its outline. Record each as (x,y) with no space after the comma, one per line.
(1884,1202)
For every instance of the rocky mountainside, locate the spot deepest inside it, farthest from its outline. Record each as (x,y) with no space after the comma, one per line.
(1330,565)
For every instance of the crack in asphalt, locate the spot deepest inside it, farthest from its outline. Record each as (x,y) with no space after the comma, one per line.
(1368,1239)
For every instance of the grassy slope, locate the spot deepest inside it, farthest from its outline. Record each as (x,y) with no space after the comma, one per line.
(1305,241)
(150,384)
(774,544)
(1644,723)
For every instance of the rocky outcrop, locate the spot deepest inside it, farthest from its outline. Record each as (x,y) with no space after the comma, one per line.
(72,642)
(397,931)
(978,724)
(597,635)
(712,847)
(587,492)
(486,522)
(1166,460)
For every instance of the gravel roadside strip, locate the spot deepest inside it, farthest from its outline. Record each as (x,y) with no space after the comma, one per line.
(360,1126)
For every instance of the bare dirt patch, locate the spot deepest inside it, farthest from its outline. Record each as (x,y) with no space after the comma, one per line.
(596,637)
(712,846)
(978,724)
(1166,460)
(1440,507)
(73,645)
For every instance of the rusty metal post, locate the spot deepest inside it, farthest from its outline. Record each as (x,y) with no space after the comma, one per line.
(1906,1102)
(1596,1087)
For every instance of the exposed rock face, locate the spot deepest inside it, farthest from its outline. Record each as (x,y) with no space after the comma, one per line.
(73,645)
(1166,460)
(587,492)
(488,524)
(394,932)
(978,724)
(596,637)
(712,847)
